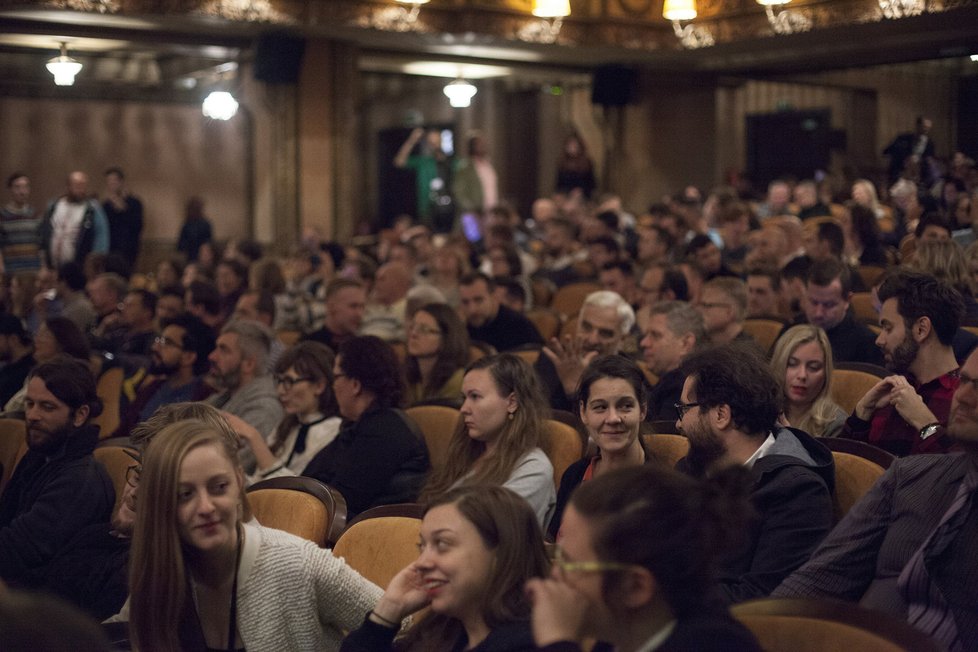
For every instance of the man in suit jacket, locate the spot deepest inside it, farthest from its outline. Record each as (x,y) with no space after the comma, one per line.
(871,556)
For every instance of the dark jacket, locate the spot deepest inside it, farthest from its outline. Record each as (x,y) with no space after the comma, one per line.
(664,396)
(377,460)
(47,501)
(90,224)
(571,479)
(707,630)
(91,571)
(792,498)
(851,341)
(512,637)
(508,330)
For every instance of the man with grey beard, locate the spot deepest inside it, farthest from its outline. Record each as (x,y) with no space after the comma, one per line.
(245,389)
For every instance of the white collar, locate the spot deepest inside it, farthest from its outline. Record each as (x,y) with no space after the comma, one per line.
(657,639)
(761,451)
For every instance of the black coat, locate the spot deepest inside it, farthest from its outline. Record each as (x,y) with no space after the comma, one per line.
(47,501)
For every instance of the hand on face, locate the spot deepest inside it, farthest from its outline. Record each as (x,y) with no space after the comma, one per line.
(404,595)
(558,611)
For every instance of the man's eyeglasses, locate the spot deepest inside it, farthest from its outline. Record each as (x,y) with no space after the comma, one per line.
(584,566)
(166,341)
(683,408)
(288,382)
(132,475)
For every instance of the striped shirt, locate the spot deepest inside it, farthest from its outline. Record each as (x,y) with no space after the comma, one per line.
(20,241)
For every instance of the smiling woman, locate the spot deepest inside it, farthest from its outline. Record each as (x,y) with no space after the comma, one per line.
(479,545)
(203,577)
(612,400)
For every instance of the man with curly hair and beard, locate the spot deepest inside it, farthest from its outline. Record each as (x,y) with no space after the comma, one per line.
(729,409)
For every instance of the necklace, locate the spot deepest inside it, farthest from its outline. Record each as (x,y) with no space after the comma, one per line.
(233,607)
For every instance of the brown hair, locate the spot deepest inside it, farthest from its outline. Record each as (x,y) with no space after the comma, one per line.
(521,434)
(311,360)
(452,355)
(509,528)
(158,586)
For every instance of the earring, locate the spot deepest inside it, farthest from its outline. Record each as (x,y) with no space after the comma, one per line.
(511,416)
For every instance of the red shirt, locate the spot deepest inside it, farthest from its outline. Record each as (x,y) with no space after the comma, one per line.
(888,430)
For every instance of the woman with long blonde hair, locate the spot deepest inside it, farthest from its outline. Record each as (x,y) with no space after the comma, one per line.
(802,363)
(203,577)
(497,440)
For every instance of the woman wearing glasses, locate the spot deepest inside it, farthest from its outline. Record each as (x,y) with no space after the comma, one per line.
(612,399)
(478,547)
(303,379)
(438,350)
(635,566)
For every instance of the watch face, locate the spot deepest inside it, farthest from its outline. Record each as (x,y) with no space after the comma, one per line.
(928,431)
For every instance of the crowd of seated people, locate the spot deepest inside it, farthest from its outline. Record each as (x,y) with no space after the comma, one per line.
(309,362)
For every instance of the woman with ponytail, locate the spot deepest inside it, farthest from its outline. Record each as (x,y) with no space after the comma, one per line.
(636,564)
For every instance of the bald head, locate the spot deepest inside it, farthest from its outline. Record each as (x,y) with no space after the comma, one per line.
(392,283)
(77,186)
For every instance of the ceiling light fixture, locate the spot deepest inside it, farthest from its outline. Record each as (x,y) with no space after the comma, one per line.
(220,105)
(64,68)
(691,36)
(551,14)
(460,93)
(787,21)
(397,18)
(902,8)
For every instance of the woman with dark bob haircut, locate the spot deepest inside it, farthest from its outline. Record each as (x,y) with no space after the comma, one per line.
(304,383)
(438,350)
(479,545)
(636,564)
(376,459)
(612,399)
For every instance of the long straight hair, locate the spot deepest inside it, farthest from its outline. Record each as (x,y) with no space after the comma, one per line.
(158,586)
(508,527)
(451,356)
(823,409)
(521,434)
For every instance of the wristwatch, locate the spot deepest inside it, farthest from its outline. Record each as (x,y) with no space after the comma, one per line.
(929,430)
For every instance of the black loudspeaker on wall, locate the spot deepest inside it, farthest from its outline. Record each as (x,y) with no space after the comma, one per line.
(278,57)
(613,85)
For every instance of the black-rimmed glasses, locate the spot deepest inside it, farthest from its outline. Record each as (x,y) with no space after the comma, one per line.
(683,408)
(288,382)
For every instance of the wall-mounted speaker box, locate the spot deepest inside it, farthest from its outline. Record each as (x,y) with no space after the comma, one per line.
(613,85)
(278,57)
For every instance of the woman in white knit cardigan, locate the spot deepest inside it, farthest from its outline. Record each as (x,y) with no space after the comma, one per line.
(201,578)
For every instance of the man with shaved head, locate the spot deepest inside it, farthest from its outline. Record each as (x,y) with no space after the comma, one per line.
(74,225)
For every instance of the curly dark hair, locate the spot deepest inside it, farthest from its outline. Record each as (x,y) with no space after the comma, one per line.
(736,375)
(372,362)
(921,295)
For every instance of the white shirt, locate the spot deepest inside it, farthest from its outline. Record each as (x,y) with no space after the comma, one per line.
(761,451)
(66,223)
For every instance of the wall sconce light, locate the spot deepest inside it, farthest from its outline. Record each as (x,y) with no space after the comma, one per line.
(220,105)
(902,8)
(64,68)
(691,36)
(786,21)
(460,93)
(551,14)
(399,18)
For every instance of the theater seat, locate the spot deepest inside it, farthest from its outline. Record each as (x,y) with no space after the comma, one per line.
(437,424)
(13,446)
(667,448)
(804,625)
(301,506)
(116,461)
(381,541)
(564,445)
